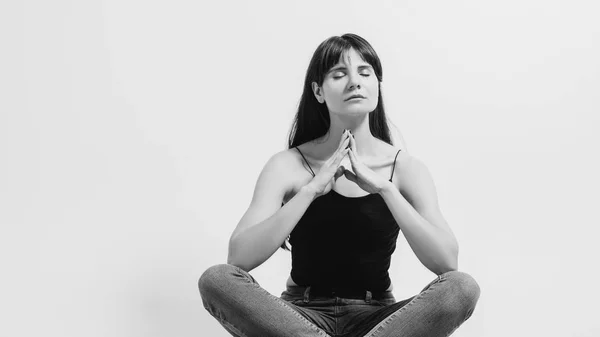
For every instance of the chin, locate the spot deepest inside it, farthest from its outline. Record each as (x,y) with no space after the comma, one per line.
(355,110)
(355,113)
(360,109)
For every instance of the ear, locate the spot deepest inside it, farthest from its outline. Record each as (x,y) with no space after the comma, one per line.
(318,91)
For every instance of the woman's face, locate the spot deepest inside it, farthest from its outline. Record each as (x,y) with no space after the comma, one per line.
(350,76)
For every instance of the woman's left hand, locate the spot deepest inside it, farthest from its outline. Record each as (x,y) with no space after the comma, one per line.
(363,176)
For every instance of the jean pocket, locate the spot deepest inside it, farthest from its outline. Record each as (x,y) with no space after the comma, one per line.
(298,302)
(384,302)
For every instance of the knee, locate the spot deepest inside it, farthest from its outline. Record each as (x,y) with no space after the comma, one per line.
(463,292)
(214,279)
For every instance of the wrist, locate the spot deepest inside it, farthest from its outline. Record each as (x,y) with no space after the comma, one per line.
(387,188)
(309,191)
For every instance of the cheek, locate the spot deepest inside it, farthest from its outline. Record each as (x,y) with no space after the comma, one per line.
(373,91)
(375,88)
(330,89)
(334,92)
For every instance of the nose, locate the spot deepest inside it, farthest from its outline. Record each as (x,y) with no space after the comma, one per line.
(354,82)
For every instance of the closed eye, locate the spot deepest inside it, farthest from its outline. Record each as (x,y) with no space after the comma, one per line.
(365,75)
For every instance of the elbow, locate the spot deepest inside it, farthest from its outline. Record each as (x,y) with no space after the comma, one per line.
(245,255)
(450,264)
(446,268)
(233,256)
(239,265)
(234,261)
(440,269)
(236,258)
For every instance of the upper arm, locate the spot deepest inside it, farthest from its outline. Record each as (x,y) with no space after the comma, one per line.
(419,190)
(269,192)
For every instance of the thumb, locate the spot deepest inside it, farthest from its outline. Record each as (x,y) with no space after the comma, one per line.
(339,172)
(350,176)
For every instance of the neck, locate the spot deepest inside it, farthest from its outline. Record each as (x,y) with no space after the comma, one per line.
(365,141)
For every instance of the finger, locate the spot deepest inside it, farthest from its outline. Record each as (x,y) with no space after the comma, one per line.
(339,172)
(354,161)
(352,143)
(344,143)
(345,135)
(341,156)
(337,157)
(352,156)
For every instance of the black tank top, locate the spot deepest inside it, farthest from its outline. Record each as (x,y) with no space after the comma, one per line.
(344,242)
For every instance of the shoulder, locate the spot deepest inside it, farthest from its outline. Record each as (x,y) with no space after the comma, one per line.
(295,159)
(291,158)
(284,160)
(414,178)
(389,159)
(408,166)
(292,171)
(407,163)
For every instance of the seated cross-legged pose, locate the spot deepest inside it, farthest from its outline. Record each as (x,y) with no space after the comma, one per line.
(342,222)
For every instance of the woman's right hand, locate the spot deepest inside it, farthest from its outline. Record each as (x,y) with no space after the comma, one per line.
(331,170)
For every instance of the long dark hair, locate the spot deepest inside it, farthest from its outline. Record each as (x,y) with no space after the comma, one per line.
(312,119)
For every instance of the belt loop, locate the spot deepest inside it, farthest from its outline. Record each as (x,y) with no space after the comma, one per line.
(368,297)
(306,294)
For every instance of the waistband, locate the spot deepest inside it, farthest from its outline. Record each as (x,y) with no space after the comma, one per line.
(308,292)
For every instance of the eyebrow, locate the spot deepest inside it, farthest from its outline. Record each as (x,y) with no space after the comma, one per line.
(344,67)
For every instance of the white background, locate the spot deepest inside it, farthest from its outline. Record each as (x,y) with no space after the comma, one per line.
(133,132)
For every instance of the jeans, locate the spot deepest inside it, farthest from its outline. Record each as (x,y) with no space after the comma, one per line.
(244,308)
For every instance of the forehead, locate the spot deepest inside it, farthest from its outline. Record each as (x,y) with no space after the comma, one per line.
(350,59)
(350,56)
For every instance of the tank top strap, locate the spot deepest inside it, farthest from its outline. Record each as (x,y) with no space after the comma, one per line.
(311,170)
(394,165)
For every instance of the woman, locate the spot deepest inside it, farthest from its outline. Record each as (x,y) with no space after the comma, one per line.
(342,231)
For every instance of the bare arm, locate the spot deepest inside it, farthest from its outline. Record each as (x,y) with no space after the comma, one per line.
(266,224)
(421,220)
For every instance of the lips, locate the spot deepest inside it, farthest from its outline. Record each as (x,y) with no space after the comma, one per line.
(355,96)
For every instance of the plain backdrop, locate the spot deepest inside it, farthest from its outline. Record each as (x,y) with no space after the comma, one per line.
(133,132)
